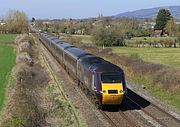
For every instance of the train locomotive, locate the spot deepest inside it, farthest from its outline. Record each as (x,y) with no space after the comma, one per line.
(104,80)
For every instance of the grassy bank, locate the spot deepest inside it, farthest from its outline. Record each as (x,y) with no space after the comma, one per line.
(166,56)
(7,58)
(172,98)
(7,38)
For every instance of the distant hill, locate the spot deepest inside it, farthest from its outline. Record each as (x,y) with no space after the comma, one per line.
(150,13)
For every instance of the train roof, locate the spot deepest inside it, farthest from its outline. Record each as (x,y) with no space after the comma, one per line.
(90,59)
(75,52)
(60,43)
(42,34)
(106,67)
(51,38)
(98,64)
(47,35)
(56,40)
(64,45)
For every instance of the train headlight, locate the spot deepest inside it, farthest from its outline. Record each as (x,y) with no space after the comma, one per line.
(121,91)
(104,91)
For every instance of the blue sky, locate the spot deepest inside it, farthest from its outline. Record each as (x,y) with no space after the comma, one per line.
(79,8)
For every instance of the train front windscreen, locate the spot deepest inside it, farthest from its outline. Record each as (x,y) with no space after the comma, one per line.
(111,77)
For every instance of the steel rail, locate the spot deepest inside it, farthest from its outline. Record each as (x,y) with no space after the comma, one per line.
(149,114)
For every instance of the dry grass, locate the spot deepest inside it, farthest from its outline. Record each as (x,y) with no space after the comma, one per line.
(24,57)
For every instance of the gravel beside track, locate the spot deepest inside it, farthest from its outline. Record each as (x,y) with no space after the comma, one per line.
(162,117)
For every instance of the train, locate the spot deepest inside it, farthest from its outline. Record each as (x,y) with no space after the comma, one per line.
(104,80)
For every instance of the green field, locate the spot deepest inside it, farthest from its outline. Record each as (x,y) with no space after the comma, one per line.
(84,38)
(134,39)
(7,38)
(166,56)
(7,61)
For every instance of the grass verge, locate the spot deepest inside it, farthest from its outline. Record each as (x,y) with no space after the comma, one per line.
(7,38)
(172,98)
(7,58)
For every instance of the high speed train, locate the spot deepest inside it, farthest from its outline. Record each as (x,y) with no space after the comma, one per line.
(104,80)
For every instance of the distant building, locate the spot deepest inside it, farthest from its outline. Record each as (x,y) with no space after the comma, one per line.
(46,22)
(148,25)
(2,23)
(177,23)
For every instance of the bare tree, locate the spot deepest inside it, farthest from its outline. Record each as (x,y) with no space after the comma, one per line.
(17,22)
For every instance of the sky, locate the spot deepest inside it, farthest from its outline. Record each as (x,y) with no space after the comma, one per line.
(59,9)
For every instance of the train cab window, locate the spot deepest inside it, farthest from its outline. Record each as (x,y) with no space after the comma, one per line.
(111,77)
(93,82)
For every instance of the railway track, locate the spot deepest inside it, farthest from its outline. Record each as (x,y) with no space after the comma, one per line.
(114,118)
(112,123)
(163,118)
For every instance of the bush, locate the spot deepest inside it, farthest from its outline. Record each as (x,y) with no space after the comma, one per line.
(108,36)
(24,57)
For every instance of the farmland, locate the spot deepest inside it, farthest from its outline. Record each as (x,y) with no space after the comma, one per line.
(166,56)
(7,61)
(84,38)
(7,38)
(134,39)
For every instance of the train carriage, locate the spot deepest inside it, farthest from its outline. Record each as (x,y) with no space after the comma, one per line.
(71,56)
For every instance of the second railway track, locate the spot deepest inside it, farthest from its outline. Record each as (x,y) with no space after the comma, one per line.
(162,117)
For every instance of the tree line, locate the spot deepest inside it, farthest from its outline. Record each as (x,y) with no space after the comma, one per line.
(109,31)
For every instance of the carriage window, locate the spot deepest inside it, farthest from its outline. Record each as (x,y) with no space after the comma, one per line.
(111,78)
